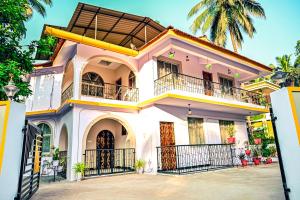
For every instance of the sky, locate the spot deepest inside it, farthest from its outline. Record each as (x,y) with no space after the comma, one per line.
(277,35)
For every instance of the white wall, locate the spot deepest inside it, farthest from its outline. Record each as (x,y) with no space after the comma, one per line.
(46,92)
(9,176)
(288,140)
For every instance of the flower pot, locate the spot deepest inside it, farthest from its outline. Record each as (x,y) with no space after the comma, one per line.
(269,161)
(231,140)
(248,152)
(79,177)
(55,163)
(257,141)
(256,161)
(244,163)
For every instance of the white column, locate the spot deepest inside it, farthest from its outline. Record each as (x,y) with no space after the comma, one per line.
(79,63)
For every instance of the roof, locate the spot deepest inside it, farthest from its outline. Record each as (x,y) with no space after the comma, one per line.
(205,42)
(261,85)
(113,26)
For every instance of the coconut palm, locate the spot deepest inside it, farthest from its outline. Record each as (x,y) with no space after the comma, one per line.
(226,16)
(37,5)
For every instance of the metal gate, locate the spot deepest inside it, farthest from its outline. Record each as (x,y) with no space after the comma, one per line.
(29,177)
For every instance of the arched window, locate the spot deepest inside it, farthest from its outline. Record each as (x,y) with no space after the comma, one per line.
(47,134)
(131,80)
(92,84)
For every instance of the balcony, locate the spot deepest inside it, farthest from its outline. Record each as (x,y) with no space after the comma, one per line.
(110,91)
(67,93)
(185,83)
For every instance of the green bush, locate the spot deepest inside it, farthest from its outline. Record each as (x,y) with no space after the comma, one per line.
(139,164)
(79,168)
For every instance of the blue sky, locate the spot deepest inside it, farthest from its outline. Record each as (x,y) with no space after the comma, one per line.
(275,36)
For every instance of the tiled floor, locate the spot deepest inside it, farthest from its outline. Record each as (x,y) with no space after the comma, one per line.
(263,182)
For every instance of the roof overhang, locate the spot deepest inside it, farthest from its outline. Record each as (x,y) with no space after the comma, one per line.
(261,85)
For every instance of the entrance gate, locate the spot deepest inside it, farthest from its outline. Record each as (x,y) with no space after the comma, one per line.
(29,177)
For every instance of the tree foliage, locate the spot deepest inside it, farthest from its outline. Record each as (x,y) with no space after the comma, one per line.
(37,5)
(14,59)
(226,16)
(285,64)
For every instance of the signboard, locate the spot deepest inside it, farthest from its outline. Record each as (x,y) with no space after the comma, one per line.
(4,109)
(294,94)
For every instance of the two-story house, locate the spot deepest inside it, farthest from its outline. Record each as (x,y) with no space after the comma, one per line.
(120,86)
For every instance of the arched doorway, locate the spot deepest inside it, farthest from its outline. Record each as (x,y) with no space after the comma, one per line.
(105,145)
(109,148)
(63,150)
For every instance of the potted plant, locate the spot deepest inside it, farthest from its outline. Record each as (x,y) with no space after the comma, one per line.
(247,150)
(139,166)
(243,160)
(231,131)
(55,157)
(79,170)
(256,158)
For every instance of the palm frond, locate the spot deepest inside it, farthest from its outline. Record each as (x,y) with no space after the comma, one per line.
(199,6)
(38,6)
(254,8)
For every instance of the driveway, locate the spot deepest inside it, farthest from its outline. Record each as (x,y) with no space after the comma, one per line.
(262,182)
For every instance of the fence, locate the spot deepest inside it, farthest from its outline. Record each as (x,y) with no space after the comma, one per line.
(180,159)
(109,161)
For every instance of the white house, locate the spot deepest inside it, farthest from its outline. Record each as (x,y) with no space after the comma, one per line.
(119,85)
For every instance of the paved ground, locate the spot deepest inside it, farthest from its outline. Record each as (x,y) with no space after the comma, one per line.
(249,183)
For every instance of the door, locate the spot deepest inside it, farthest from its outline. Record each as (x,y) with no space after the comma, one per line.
(208,85)
(226,86)
(105,145)
(168,149)
(119,89)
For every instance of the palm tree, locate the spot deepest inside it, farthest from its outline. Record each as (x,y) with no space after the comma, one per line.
(37,5)
(226,16)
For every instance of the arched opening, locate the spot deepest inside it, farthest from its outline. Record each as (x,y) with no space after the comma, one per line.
(132,80)
(92,84)
(47,137)
(107,77)
(63,150)
(109,148)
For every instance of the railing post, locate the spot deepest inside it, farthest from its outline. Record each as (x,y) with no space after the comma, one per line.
(177,160)
(157,157)
(230,146)
(173,81)
(84,163)
(124,159)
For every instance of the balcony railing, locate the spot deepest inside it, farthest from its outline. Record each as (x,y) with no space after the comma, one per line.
(182,82)
(108,161)
(110,91)
(67,93)
(180,159)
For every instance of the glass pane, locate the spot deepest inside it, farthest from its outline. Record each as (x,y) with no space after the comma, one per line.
(46,143)
(196,132)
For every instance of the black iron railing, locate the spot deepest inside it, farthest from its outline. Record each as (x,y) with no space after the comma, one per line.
(67,93)
(182,82)
(110,91)
(180,159)
(109,161)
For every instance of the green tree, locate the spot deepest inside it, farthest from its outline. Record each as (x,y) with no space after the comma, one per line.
(37,5)
(14,59)
(226,16)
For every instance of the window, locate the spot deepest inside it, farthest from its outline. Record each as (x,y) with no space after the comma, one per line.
(124,131)
(92,84)
(224,124)
(131,80)
(46,130)
(164,68)
(226,85)
(196,132)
